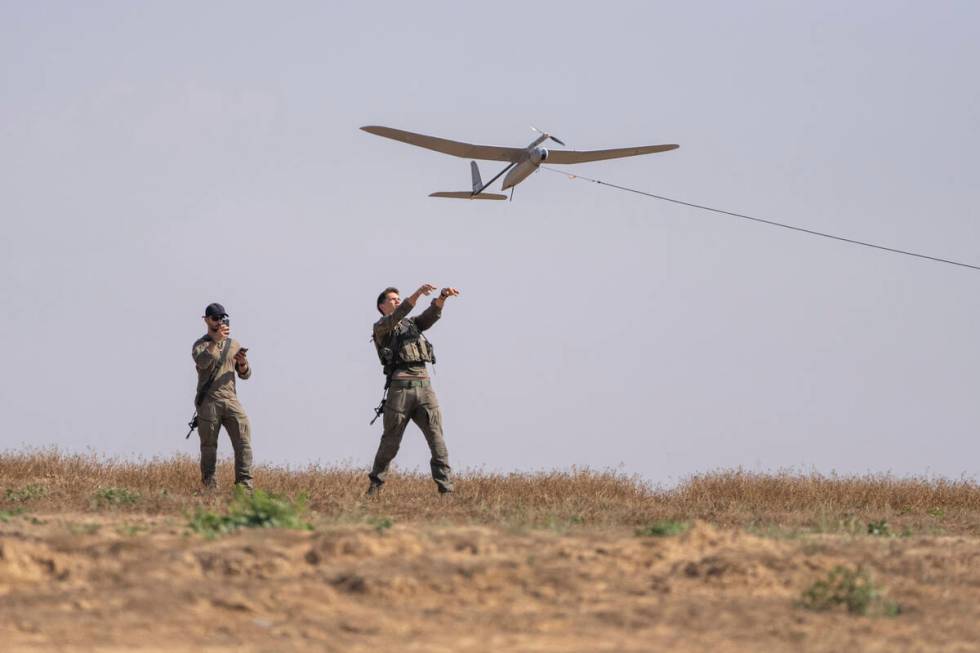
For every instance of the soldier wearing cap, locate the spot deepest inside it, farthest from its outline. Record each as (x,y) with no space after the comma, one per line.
(404,351)
(218,359)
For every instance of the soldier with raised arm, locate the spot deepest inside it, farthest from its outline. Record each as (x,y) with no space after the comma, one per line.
(404,351)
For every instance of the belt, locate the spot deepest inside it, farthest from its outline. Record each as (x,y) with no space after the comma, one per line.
(410,383)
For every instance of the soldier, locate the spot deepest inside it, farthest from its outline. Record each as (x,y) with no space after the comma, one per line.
(218,358)
(404,351)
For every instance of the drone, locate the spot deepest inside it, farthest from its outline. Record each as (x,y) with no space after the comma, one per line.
(522,161)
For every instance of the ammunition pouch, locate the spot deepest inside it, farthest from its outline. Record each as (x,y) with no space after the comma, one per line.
(406,346)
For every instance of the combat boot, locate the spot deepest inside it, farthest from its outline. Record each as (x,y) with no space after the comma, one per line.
(373,490)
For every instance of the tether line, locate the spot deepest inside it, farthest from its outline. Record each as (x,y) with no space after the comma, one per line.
(772,223)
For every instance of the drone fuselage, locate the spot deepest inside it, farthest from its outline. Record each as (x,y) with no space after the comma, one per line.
(526,167)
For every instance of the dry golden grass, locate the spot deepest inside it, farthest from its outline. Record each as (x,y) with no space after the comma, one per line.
(102,554)
(775,504)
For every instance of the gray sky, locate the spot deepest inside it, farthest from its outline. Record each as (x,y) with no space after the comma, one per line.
(160,156)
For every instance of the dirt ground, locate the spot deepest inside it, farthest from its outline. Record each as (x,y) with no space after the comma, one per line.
(83,582)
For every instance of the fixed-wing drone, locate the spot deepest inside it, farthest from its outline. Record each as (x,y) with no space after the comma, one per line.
(523,161)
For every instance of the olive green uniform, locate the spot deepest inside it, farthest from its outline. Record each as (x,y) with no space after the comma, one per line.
(220,407)
(410,397)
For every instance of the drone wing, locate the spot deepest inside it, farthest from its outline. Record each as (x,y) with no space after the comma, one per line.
(455,148)
(571,156)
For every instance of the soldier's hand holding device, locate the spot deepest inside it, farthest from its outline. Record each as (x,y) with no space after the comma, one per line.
(445,294)
(240,360)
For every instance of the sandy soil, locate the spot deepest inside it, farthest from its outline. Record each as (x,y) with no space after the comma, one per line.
(81,583)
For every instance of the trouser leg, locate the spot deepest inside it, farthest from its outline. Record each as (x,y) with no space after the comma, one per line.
(208,427)
(429,418)
(400,400)
(237,425)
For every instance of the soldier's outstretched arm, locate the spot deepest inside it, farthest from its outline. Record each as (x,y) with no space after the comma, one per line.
(432,314)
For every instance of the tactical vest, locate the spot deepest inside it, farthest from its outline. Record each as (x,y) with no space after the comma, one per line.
(405,346)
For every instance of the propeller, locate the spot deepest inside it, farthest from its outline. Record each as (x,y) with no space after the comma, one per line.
(547,135)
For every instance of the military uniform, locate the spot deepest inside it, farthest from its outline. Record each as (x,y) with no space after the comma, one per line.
(220,407)
(400,342)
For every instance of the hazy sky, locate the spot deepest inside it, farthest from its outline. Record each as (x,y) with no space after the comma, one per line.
(155,157)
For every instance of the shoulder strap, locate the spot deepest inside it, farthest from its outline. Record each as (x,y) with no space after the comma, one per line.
(207,385)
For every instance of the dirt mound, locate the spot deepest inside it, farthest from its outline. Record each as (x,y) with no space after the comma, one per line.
(110,586)
(24,563)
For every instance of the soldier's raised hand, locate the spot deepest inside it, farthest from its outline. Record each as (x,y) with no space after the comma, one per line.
(424,289)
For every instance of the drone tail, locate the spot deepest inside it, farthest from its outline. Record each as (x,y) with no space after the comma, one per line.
(467,195)
(476,193)
(477,180)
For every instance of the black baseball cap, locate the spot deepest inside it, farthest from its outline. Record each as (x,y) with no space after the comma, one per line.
(215,310)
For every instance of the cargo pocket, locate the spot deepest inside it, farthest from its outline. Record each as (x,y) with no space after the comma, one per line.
(208,412)
(394,421)
(395,406)
(429,419)
(433,417)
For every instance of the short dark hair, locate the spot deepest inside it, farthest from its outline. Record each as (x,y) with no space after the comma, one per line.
(384,295)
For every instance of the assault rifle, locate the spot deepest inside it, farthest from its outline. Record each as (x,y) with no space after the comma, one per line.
(207,386)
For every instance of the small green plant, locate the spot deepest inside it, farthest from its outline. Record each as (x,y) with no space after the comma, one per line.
(879,528)
(26,493)
(7,515)
(256,509)
(663,528)
(115,496)
(381,524)
(938,513)
(852,588)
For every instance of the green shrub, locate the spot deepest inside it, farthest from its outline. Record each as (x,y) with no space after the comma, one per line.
(115,496)
(851,588)
(879,528)
(7,515)
(381,524)
(256,509)
(26,493)
(663,528)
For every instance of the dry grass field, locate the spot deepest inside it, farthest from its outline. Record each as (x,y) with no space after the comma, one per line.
(106,555)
